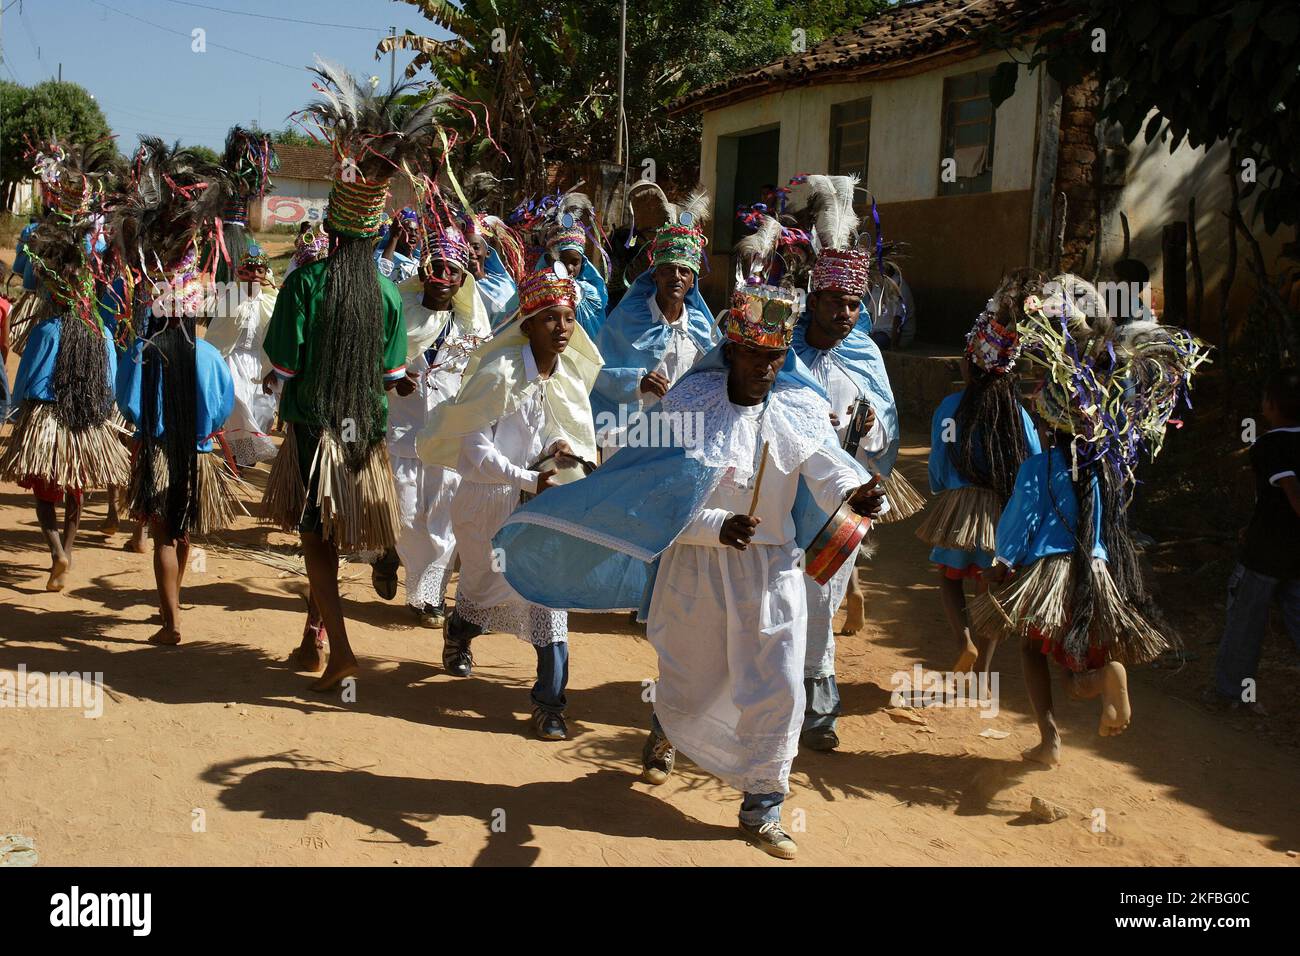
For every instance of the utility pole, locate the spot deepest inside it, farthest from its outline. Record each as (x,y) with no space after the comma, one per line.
(60,72)
(622,116)
(392,59)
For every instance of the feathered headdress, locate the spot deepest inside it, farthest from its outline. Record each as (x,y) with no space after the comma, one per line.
(373,136)
(168,210)
(828,206)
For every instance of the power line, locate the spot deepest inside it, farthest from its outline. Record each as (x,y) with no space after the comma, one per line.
(265,16)
(182,33)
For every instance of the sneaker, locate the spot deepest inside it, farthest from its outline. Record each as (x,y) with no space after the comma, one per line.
(657,758)
(456,656)
(431,615)
(771,839)
(548,726)
(823,739)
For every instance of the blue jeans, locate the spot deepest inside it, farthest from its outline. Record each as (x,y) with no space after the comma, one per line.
(755,808)
(552,677)
(1250,596)
(823,702)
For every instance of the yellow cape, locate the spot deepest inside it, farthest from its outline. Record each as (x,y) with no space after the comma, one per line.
(494,386)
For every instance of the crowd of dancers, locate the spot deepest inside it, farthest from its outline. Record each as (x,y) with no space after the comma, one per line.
(716,476)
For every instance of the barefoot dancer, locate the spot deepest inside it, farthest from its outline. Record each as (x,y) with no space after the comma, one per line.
(978,438)
(64,440)
(173,386)
(338,342)
(1078,594)
(690,526)
(523,398)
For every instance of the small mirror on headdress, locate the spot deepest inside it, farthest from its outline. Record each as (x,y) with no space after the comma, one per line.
(567,220)
(685,219)
(560,269)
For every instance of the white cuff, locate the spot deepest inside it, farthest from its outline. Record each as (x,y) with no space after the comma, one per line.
(1274,479)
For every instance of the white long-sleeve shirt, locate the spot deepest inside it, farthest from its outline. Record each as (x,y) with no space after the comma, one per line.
(843,394)
(828,479)
(499,453)
(682,351)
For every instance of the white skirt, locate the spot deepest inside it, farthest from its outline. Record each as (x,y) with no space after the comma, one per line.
(253,412)
(483,596)
(425,540)
(823,601)
(729,627)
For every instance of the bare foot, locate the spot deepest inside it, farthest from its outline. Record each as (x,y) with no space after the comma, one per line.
(1115,710)
(134,544)
(855,618)
(966,659)
(1048,753)
(110,526)
(166,636)
(335,674)
(58,572)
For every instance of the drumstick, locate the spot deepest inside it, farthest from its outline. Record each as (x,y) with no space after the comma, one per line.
(758,482)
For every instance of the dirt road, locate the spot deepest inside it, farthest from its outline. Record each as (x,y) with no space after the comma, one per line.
(216,753)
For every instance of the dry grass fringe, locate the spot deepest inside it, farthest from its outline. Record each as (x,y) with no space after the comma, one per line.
(963,518)
(285,495)
(92,458)
(1040,599)
(904,498)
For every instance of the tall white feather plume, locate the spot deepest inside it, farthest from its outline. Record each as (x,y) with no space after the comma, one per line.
(754,252)
(830,205)
(697,205)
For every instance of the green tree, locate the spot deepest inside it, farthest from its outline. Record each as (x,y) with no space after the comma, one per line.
(51,109)
(1209,69)
(549,77)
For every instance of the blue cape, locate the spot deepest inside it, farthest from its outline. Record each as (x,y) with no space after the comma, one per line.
(595,296)
(594,544)
(859,357)
(35,377)
(632,342)
(216,390)
(499,293)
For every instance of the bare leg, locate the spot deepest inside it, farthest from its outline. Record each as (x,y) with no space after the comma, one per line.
(71,522)
(311,653)
(111,521)
(953,594)
(987,646)
(48,518)
(322,560)
(135,543)
(1110,682)
(167,565)
(856,617)
(1038,682)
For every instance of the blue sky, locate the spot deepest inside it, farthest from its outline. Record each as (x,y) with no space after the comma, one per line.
(135,56)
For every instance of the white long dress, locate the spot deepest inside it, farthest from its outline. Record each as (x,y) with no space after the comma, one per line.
(493,466)
(825,599)
(238,336)
(729,626)
(426,542)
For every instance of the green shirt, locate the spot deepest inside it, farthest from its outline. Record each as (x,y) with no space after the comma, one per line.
(292,344)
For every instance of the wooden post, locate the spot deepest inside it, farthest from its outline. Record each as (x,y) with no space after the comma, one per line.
(1198,277)
(1173,254)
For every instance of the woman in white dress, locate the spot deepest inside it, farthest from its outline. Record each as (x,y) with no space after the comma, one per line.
(237,333)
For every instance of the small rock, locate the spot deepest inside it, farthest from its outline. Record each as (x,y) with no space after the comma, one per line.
(243,712)
(995,734)
(925,730)
(1293,853)
(904,716)
(231,704)
(1047,812)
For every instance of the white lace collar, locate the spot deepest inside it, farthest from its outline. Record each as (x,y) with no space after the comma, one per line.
(795,422)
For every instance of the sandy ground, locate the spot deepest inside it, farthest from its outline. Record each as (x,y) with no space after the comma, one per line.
(216,753)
